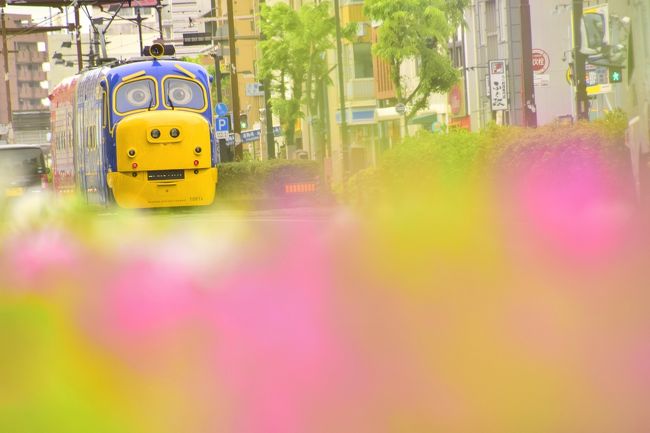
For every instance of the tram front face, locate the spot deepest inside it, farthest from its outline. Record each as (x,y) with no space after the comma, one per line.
(163,149)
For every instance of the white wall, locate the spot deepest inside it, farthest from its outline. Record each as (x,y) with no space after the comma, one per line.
(551,32)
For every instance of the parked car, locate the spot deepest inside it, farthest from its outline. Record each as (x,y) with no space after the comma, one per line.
(22,170)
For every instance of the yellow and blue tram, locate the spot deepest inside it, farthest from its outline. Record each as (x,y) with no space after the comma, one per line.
(138,132)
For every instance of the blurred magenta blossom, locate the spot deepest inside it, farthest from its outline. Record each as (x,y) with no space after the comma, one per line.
(494,307)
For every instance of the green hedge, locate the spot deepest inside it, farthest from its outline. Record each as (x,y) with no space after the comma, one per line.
(249,180)
(435,163)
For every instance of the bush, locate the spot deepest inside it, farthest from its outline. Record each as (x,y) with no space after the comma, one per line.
(430,164)
(250,180)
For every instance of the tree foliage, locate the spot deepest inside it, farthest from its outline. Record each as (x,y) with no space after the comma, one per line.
(225,81)
(294,58)
(417,30)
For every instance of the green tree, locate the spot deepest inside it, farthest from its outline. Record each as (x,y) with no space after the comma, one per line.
(225,81)
(417,30)
(294,60)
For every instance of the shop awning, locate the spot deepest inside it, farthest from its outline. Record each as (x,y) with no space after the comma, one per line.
(424,119)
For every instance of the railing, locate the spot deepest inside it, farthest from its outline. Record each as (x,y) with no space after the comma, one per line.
(25,75)
(38,75)
(360,89)
(32,93)
(26,93)
(38,57)
(23,57)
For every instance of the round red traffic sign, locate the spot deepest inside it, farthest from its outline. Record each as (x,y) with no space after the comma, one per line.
(541,61)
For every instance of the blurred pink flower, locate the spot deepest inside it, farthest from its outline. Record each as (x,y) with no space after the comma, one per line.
(42,258)
(572,206)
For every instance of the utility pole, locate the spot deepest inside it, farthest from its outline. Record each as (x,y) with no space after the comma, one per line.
(217,76)
(266,83)
(138,19)
(224,152)
(78,36)
(344,122)
(529,106)
(234,83)
(5,58)
(579,63)
(159,7)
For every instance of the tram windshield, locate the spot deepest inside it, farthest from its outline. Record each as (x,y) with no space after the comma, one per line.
(182,93)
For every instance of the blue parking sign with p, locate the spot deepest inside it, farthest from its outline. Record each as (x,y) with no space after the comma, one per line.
(223,124)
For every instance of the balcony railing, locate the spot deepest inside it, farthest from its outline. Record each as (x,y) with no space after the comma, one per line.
(31,57)
(32,93)
(360,89)
(31,76)
(23,57)
(38,57)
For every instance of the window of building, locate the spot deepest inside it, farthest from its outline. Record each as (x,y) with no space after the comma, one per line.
(25,46)
(362,60)
(456,53)
(491,28)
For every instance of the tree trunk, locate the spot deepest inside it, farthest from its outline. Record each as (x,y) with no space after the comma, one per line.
(319,143)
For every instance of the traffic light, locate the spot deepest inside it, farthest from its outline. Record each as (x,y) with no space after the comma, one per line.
(243,121)
(605,38)
(594,31)
(620,31)
(615,75)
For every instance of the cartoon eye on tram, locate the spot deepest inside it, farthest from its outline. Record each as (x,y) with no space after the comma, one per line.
(138,133)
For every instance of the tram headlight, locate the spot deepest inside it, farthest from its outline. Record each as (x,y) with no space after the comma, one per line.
(174,132)
(155,133)
(157,50)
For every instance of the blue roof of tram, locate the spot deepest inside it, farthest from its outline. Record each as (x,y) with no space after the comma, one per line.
(156,69)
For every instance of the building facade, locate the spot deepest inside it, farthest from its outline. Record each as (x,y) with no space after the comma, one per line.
(499,30)
(374,124)
(27,84)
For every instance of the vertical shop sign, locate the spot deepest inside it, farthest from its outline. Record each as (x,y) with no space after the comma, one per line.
(498,85)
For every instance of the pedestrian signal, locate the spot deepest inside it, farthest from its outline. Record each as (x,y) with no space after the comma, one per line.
(615,75)
(243,121)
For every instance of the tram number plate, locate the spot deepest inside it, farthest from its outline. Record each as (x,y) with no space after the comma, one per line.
(166,174)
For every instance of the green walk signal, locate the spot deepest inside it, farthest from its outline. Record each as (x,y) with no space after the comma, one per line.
(615,75)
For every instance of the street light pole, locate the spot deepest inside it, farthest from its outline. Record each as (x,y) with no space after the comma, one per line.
(339,59)
(579,62)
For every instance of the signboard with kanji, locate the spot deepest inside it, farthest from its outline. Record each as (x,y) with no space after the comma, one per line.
(498,85)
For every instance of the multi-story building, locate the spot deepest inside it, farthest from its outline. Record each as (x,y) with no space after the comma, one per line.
(500,30)
(27,84)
